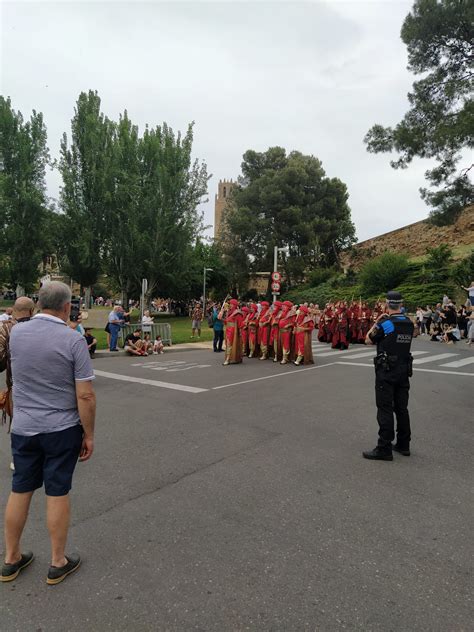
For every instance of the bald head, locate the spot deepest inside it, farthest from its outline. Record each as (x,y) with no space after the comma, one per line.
(23,308)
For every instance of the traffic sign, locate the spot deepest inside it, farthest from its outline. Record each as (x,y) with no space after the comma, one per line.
(275,286)
(276,276)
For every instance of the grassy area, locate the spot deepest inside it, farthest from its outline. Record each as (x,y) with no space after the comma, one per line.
(180,331)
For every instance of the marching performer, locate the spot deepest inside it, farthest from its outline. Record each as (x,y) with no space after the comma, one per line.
(303,336)
(339,338)
(264,321)
(244,331)
(275,342)
(286,324)
(233,321)
(253,329)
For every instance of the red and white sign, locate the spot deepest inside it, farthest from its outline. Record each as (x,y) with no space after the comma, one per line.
(276,276)
(275,286)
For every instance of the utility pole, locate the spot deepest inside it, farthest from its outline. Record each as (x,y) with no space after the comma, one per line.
(275,276)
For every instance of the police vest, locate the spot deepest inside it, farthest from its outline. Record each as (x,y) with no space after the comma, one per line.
(398,330)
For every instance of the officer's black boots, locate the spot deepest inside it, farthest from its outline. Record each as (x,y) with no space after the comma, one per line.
(378,455)
(404,451)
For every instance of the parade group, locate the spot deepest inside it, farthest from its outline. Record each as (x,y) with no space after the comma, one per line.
(283,331)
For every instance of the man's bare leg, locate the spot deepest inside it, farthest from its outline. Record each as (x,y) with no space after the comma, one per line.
(16,514)
(57,516)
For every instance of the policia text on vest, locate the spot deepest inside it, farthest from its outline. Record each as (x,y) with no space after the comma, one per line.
(392,334)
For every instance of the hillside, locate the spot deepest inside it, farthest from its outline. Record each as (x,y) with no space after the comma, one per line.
(414,240)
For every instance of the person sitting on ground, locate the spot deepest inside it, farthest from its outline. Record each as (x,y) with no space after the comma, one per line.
(91,341)
(134,345)
(451,334)
(147,344)
(158,346)
(7,315)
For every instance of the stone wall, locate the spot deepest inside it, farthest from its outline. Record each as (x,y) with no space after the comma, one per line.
(413,239)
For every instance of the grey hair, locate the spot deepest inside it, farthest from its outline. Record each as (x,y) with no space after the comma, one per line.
(395,305)
(54,295)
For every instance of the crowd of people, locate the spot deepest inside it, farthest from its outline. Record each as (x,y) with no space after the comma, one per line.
(446,322)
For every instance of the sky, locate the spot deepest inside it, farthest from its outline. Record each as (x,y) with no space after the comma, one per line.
(307,76)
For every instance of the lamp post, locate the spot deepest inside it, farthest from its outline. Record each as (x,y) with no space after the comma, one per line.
(276,250)
(204,291)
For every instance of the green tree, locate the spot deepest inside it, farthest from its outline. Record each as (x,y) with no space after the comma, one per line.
(172,186)
(462,272)
(440,122)
(86,169)
(24,156)
(287,200)
(124,235)
(383,273)
(438,262)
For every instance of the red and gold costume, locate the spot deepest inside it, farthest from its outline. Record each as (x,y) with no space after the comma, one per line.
(253,330)
(264,321)
(274,341)
(365,316)
(325,324)
(244,331)
(339,338)
(286,324)
(233,322)
(303,334)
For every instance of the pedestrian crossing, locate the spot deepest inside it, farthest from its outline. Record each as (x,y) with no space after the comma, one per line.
(450,360)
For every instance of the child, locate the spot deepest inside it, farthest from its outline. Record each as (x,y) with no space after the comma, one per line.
(158,346)
(91,341)
(147,343)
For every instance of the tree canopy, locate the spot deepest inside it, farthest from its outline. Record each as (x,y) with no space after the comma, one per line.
(439,36)
(286,200)
(23,202)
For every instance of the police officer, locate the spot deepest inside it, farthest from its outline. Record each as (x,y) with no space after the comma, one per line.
(392,333)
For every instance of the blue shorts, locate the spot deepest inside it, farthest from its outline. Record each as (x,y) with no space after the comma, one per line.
(47,457)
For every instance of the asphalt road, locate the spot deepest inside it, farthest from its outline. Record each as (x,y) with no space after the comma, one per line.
(236,498)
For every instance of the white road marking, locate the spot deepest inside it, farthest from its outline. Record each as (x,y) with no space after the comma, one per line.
(269,377)
(338,352)
(370,366)
(457,363)
(188,368)
(140,380)
(440,356)
(366,354)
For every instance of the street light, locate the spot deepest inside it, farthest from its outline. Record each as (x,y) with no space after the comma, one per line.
(276,250)
(204,291)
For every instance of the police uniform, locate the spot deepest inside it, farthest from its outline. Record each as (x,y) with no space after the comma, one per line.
(393,367)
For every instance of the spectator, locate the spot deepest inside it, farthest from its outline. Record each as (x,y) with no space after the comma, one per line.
(134,344)
(196,317)
(7,315)
(147,319)
(53,426)
(470,294)
(158,346)
(116,320)
(419,320)
(470,328)
(218,326)
(427,318)
(22,312)
(91,342)
(147,344)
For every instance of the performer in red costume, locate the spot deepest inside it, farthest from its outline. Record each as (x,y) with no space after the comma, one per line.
(324,334)
(264,321)
(253,329)
(303,336)
(233,321)
(364,322)
(244,331)
(339,339)
(286,324)
(353,315)
(274,341)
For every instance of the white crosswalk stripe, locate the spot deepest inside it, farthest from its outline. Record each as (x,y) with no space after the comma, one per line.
(458,363)
(434,358)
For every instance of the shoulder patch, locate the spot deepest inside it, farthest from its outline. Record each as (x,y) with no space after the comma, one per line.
(387,326)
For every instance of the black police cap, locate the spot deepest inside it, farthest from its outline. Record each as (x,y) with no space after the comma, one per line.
(394,297)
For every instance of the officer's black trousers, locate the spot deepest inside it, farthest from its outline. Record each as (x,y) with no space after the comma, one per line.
(391,396)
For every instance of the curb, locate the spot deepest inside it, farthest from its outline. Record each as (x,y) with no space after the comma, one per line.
(193,346)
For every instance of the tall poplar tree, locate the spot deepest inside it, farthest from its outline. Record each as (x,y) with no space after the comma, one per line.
(23,157)
(86,169)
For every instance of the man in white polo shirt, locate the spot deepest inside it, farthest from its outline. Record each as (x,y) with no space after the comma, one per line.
(53,426)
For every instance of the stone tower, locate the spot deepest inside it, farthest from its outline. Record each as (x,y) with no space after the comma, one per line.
(223,192)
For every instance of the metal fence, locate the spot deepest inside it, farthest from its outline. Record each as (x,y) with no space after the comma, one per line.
(157,329)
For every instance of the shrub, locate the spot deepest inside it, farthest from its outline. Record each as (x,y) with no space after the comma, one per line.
(383,273)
